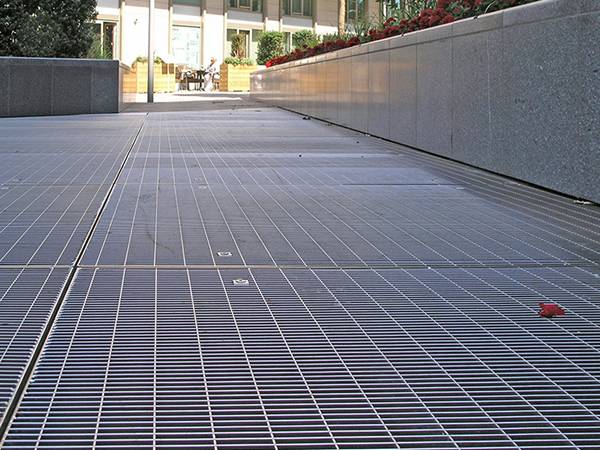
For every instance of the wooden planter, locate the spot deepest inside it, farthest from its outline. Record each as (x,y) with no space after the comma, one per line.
(235,78)
(137,80)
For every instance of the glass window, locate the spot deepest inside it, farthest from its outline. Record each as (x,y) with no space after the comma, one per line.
(306,7)
(186,46)
(105,34)
(297,7)
(254,5)
(287,41)
(108,38)
(246,34)
(230,33)
(254,44)
(251,41)
(355,9)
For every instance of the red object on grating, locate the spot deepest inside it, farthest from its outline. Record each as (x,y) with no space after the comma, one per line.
(551,310)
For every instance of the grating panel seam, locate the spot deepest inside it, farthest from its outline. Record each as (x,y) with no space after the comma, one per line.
(21,387)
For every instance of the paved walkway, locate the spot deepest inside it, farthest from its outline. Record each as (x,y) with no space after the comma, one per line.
(240,277)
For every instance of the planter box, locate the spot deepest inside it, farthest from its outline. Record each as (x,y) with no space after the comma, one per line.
(514,92)
(137,80)
(235,78)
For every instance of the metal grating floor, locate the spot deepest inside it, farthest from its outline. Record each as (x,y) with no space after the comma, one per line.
(260,281)
(188,193)
(300,358)
(55,174)
(27,297)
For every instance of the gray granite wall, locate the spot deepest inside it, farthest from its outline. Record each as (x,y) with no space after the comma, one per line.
(57,86)
(516,92)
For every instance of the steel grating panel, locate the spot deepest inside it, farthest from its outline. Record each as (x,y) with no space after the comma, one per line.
(188,224)
(188,193)
(27,297)
(46,225)
(66,167)
(301,358)
(381,297)
(55,174)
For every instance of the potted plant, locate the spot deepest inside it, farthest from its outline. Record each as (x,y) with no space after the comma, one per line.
(236,69)
(137,80)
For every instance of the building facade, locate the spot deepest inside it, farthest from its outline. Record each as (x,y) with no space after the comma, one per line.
(190,32)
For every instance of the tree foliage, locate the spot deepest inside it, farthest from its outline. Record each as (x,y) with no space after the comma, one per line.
(51,28)
(270,45)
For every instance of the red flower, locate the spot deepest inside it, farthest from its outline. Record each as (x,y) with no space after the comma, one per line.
(353,41)
(446,11)
(375,35)
(550,310)
(389,21)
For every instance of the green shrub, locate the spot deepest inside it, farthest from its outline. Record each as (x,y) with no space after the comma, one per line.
(238,61)
(270,45)
(330,37)
(144,59)
(360,27)
(305,39)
